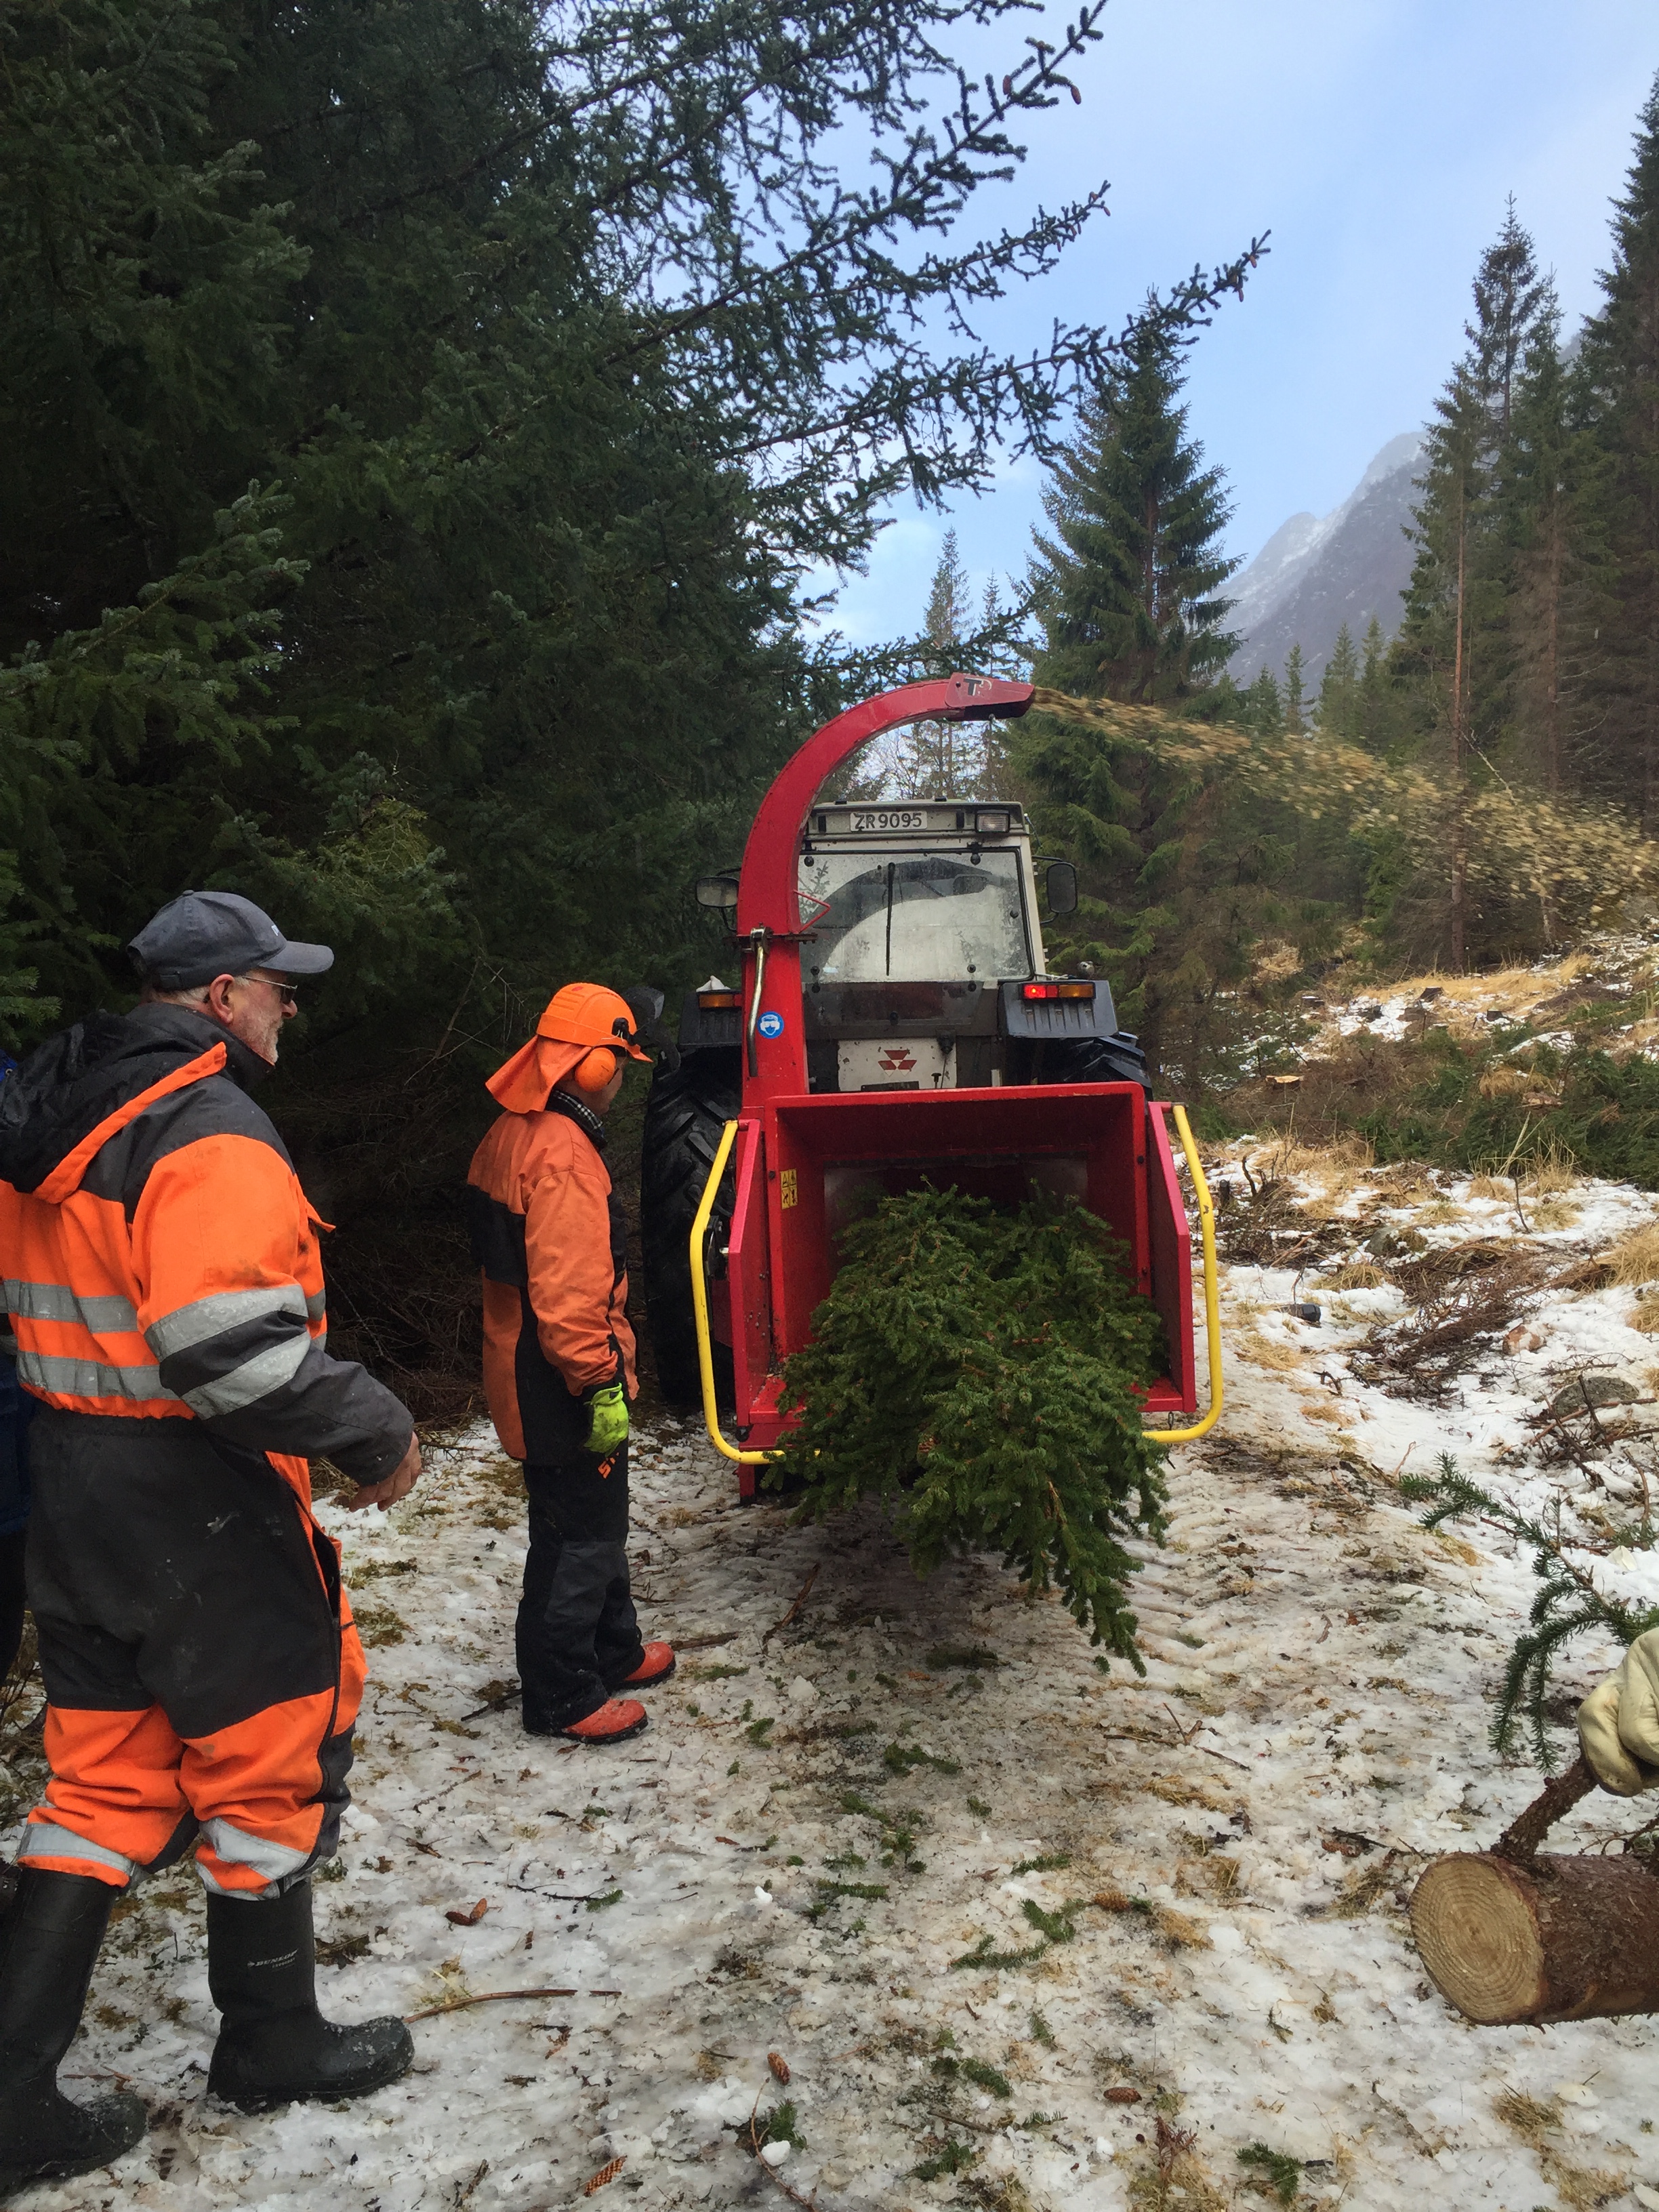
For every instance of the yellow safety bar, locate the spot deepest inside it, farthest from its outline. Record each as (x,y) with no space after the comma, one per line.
(700,1303)
(705,1346)
(1212,1288)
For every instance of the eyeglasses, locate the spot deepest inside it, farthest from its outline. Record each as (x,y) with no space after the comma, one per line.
(284,990)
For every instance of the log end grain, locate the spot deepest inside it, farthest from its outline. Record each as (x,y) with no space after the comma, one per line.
(1477,1936)
(1553,1938)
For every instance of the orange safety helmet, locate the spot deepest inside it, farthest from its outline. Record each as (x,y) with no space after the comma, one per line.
(582,1029)
(587,1013)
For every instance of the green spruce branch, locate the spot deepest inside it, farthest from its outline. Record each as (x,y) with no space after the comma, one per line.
(979,1372)
(1568,1603)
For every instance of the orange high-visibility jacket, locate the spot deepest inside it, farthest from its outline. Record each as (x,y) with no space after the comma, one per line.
(548,1236)
(161,1259)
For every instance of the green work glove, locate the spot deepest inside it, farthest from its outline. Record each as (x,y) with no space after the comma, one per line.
(607,1428)
(1619,1721)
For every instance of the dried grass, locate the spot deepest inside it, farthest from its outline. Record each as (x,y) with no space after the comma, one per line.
(1181,1789)
(1503,1083)
(1357,1275)
(1635,1258)
(1180,1929)
(1535,2120)
(1553,1213)
(1512,991)
(1276,962)
(1548,1171)
(1262,1352)
(1532,2118)
(1645,1319)
(1489,1186)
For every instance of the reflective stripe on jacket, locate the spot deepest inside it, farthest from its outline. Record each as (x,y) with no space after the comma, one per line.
(547,1234)
(161,1259)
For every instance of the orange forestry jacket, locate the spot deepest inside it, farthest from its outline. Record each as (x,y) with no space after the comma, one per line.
(548,1236)
(161,1261)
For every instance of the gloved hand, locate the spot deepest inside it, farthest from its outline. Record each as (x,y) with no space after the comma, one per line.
(1619,1721)
(607,1427)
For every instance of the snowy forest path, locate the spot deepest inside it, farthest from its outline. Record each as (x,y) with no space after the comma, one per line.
(917,1845)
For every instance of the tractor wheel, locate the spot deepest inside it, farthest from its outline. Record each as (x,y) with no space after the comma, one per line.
(686,1113)
(1091,1060)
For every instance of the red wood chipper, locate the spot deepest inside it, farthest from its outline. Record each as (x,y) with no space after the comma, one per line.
(893,1023)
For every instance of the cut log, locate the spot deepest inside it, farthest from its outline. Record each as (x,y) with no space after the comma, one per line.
(1521,1941)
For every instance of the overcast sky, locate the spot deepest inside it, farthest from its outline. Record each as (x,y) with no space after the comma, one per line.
(1378,141)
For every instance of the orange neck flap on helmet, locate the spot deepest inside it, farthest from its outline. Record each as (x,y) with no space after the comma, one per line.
(579,1020)
(524,1084)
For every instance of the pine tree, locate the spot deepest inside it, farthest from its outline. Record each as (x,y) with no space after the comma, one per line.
(1296,682)
(1338,689)
(1511,300)
(1125,588)
(943,760)
(1456,640)
(1437,632)
(1551,491)
(1264,705)
(1125,595)
(1620,369)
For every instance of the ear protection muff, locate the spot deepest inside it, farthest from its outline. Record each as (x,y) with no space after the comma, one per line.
(597,1070)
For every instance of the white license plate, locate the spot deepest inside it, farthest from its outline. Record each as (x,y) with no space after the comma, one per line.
(890,819)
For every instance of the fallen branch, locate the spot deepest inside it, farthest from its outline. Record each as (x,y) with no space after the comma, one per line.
(495,1705)
(496,1996)
(800,1599)
(756,2147)
(1222,1755)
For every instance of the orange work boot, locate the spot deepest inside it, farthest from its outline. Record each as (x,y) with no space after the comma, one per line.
(658,1664)
(615,1722)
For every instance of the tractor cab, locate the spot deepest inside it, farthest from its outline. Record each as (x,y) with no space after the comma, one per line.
(921,957)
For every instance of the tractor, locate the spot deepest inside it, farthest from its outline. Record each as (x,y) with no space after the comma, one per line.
(892,1023)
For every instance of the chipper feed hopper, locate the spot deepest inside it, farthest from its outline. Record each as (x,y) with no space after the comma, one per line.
(892,1023)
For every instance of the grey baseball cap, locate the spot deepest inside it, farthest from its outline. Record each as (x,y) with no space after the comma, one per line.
(202,934)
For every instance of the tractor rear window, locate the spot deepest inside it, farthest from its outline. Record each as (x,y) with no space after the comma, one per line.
(913,917)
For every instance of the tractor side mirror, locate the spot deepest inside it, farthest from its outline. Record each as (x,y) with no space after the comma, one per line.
(717,891)
(1061,884)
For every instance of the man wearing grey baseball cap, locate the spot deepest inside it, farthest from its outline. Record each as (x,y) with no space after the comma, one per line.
(214,949)
(164,1277)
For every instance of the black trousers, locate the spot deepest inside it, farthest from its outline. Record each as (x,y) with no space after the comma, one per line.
(201,1682)
(577,1637)
(12,1549)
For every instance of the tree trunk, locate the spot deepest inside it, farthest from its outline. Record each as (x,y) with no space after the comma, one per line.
(1511,1938)
(1556,1938)
(1459,854)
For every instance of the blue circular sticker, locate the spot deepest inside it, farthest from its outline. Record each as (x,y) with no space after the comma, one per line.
(770,1025)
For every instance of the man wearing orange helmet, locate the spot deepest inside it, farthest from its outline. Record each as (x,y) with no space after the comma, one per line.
(547,1234)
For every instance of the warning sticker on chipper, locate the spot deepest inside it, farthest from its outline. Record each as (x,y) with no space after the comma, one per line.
(770,1025)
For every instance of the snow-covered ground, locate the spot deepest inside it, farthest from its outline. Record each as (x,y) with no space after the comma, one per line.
(831,1821)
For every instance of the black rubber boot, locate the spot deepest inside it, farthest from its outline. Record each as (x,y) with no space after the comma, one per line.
(48,1947)
(274,2047)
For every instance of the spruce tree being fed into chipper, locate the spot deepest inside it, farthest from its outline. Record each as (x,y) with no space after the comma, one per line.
(978,1372)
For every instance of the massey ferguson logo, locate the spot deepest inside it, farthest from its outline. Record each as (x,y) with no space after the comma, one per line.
(896,1060)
